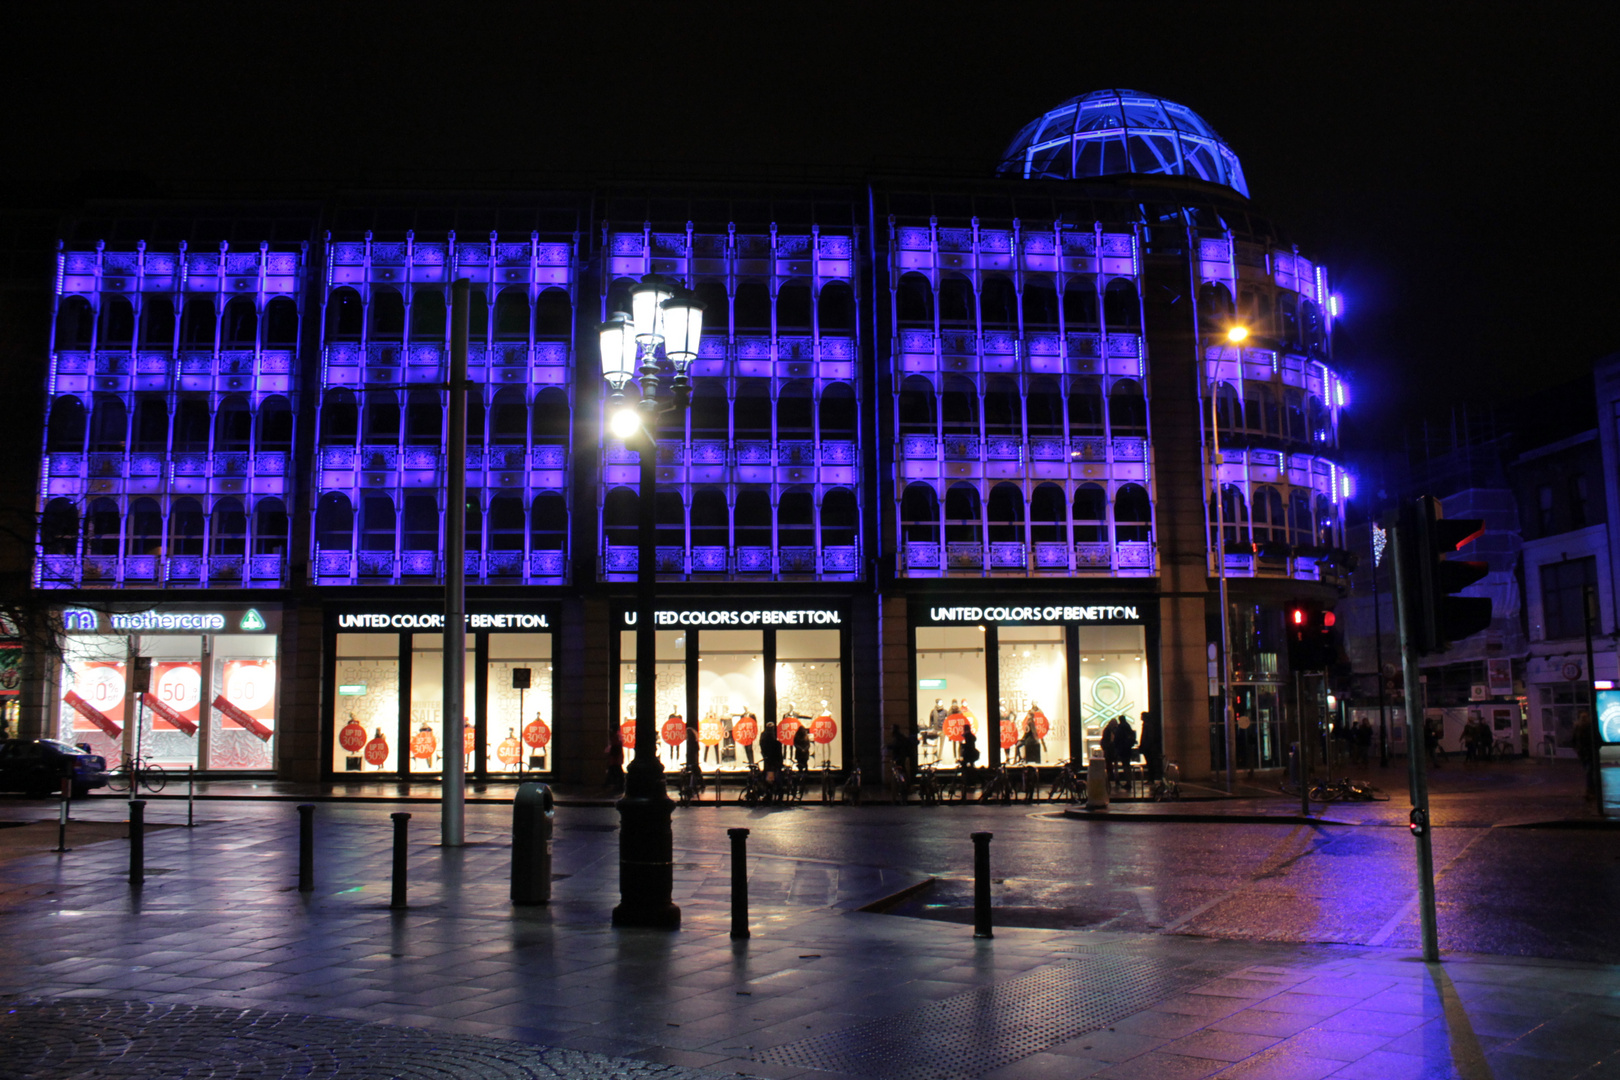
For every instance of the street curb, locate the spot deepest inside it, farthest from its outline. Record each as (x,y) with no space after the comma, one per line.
(1598,824)
(1077,814)
(886,903)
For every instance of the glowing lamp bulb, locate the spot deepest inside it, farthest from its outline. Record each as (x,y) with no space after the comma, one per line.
(1299,616)
(1236,334)
(624,423)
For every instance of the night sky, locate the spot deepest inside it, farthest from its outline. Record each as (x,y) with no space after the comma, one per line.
(1454,167)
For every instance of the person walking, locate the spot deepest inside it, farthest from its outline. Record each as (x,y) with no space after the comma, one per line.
(1029,744)
(770,753)
(801,748)
(1152,747)
(1125,749)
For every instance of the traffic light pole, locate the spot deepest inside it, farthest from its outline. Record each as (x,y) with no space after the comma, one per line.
(1416,746)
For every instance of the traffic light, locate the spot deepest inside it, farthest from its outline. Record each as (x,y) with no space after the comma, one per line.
(1312,642)
(1436,618)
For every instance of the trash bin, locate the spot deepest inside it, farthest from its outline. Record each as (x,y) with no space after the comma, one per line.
(1097,781)
(534,817)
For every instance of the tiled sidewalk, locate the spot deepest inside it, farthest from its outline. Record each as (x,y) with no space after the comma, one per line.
(820,991)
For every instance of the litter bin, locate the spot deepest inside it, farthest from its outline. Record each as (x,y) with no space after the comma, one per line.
(1097,781)
(534,816)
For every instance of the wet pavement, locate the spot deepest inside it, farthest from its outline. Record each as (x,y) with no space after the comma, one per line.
(1206,948)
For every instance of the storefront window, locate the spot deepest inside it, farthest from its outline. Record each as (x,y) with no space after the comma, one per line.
(950,692)
(242,722)
(731,685)
(1113,679)
(809,685)
(1034,715)
(367,680)
(518,722)
(94,708)
(670,681)
(427,739)
(1258,735)
(170,712)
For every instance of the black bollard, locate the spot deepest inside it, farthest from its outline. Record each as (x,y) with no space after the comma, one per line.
(400,820)
(137,841)
(739,884)
(191,794)
(981,884)
(306,847)
(533,819)
(62,816)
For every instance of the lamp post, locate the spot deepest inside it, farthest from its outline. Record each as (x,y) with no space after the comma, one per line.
(1235,334)
(663,327)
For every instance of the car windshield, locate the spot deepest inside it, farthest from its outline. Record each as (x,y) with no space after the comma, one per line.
(61,746)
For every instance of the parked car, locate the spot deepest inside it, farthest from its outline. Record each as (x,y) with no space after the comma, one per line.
(38,766)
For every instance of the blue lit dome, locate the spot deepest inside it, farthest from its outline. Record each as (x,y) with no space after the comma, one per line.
(1109,132)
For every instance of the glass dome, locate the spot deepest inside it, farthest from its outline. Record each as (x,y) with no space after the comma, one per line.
(1108,132)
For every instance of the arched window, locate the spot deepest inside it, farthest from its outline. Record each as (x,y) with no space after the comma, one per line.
(1270,518)
(233,425)
(506,524)
(1090,514)
(1085,409)
(1288,317)
(960,410)
(1300,533)
(1228,409)
(228,534)
(1273,411)
(334,522)
(549,424)
(553,315)
(118,321)
(793,306)
(101,534)
(796,519)
(917,413)
(919,514)
(1133,514)
(753,516)
(1003,414)
(711,518)
(1040,305)
(512,314)
(620,517)
(1327,523)
(1310,326)
(382,418)
(1127,409)
(795,411)
(75,323)
(152,424)
(241,324)
(387,314)
(477,317)
(508,418)
(424,418)
(1120,306)
(1294,410)
(1006,513)
(753,411)
(1232,516)
(145,533)
(59,528)
(157,321)
(281,322)
(109,425)
(1215,306)
(65,434)
(419,524)
(197,323)
(428,318)
(670,530)
(838,518)
(711,412)
(191,423)
(270,527)
(955,301)
(345,315)
(1048,514)
(1254,411)
(618,297)
(835,312)
(753,307)
(340,418)
(1044,408)
(275,424)
(1080,303)
(186,527)
(1318,420)
(914,301)
(716,307)
(548,523)
(838,413)
(998,303)
(963,519)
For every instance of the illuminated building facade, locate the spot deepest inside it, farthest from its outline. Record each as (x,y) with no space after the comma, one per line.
(949,445)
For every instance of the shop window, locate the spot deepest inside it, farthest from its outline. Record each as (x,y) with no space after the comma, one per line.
(809,688)
(233,425)
(506,524)
(424,419)
(157,321)
(427,706)
(914,301)
(835,310)
(1044,407)
(731,684)
(59,528)
(186,527)
(753,519)
(228,536)
(955,301)
(334,523)
(382,418)
(1120,307)
(795,412)
(753,413)
(1563,598)
(669,677)
(345,315)
(65,433)
(151,435)
(1002,414)
(428,316)
(117,321)
(275,424)
(838,413)
(963,520)
(241,324)
(197,324)
(1047,515)
(176,682)
(519,723)
(753,307)
(1113,679)
(191,424)
(366,725)
(270,528)
(1127,409)
(917,411)
(376,522)
(75,323)
(950,692)
(145,534)
(1133,514)
(998,303)
(1085,409)
(553,315)
(919,514)
(102,528)
(838,518)
(93,667)
(1040,305)
(281,322)
(1080,304)
(1033,669)
(960,407)
(340,418)
(548,523)
(793,307)
(1006,514)
(620,517)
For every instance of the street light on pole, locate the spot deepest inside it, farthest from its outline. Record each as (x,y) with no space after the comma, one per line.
(663,329)
(1236,334)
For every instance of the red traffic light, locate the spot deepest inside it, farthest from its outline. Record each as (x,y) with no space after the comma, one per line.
(1328,620)
(1298,616)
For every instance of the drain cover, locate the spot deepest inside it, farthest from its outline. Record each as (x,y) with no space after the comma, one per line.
(964,1036)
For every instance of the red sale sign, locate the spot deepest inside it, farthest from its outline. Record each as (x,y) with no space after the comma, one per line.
(97,698)
(249,700)
(176,695)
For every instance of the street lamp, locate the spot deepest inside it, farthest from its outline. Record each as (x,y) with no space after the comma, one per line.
(1236,334)
(663,327)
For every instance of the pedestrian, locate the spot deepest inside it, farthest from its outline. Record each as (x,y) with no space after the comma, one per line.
(1125,749)
(770,753)
(801,748)
(692,750)
(1110,759)
(1431,741)
(970,748)
(615,749)
(1030,743)
(900,751)
(1581,733)
(1152,747)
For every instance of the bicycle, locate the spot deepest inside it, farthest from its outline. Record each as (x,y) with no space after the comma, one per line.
(1347,790)
(829,784)
(1168,786)
(998,787)
(755,789)
(897,777)
(691,788)
(851,792)
(135,773)
(1066,784)
(927,785)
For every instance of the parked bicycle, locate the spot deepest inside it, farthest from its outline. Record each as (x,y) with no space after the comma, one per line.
(851,792)
(1067,785)
(135,774)
(897,778)
(691,784)
(755,789)
(1345,789)
(829,783)
(999,786)
(928,788)
(1167,787)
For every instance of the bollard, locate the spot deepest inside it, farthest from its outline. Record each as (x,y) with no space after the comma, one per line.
(137,841)
(191,776)
(534,817)
(62,815)
(981,884)
(739,884)
(400,820)
(1097,782)
(306,847)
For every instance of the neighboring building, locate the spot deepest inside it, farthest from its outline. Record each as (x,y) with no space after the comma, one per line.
(948,440)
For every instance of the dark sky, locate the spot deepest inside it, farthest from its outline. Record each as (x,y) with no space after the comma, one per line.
(1454,165)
